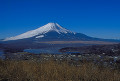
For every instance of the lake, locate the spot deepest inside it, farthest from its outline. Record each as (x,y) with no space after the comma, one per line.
(44,50)
(2,54)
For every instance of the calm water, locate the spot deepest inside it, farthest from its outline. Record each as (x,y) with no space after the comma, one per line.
(44,50)
(2,54)
(52,50)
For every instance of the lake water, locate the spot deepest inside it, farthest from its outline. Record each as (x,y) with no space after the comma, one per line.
(2,54)
(44,50)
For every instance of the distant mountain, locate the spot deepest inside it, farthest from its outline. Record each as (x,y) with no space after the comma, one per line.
(53,32)
(50,32)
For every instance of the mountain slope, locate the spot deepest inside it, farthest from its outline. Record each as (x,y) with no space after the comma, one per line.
(40,32)
(47,35)
(53,32)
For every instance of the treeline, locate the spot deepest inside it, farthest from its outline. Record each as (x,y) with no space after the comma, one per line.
(111,50)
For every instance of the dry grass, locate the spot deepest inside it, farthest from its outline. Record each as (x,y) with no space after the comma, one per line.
(54,71)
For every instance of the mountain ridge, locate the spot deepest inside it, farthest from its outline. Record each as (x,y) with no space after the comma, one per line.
(54,32)
(41,31)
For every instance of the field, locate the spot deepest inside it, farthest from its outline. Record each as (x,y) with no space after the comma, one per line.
(30,70)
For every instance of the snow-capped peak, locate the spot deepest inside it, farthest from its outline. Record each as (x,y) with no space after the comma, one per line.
(41,31)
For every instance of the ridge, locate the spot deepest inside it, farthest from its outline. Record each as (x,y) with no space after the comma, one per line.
(39,32)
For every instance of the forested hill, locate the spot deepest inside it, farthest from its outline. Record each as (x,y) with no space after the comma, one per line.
(112,50)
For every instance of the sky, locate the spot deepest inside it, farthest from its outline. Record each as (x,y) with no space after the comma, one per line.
(95,18)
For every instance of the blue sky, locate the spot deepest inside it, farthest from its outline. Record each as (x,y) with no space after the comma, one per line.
(96,18)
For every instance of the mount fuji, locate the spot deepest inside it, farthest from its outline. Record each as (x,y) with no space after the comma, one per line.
(50,35)
(53,32)
(49,32)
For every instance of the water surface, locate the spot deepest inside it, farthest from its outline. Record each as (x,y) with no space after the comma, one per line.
(44,50)
(2,54)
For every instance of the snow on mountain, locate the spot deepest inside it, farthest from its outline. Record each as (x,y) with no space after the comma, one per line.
(40,36)
(39,33)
